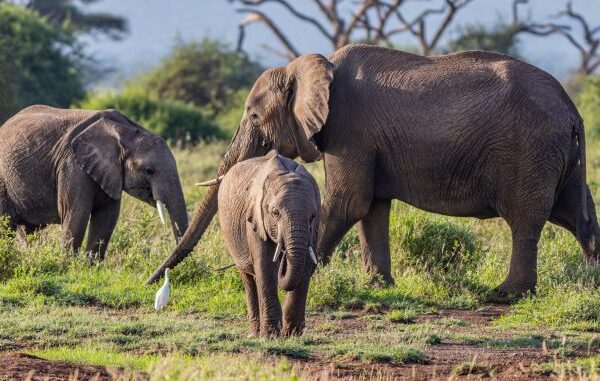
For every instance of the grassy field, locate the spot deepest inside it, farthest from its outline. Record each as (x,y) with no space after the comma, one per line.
(437,320)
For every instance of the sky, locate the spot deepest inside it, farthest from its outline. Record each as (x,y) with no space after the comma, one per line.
(156,24)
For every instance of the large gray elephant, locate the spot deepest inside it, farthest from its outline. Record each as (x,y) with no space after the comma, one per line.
(269,214)
(70,167)
(474,134)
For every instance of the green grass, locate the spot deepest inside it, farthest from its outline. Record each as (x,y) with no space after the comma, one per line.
(52,302)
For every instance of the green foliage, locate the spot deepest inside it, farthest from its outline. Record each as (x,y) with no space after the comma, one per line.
(174,121)
(502,38)
(588,103)
(39,62)
(433,244)
(207,74)
(68,13)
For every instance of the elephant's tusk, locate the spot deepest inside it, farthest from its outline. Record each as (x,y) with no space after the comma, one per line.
(161,211)
(277,252)
(210,182)
(312,254)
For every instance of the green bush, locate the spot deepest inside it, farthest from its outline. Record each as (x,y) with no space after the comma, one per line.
(174,121)
(588,103)
(207,74)
(40,62)
(431,243)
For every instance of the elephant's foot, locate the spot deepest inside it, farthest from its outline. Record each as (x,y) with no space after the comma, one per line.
(382,280)
(293,328)
(511,289)
(253,331)
(270,331)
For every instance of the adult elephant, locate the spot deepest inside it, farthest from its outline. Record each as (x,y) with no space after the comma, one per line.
(70,167)
(474,134)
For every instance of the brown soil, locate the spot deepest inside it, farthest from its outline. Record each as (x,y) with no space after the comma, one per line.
(446,360)
(20,366)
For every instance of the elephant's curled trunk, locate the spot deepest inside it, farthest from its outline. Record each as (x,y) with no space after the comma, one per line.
(292,267)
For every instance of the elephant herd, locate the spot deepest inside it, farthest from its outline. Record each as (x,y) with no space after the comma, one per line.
(474,134)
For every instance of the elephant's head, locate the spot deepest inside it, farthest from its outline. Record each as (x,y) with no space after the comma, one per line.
(285,210)
(286,108)
(121,156)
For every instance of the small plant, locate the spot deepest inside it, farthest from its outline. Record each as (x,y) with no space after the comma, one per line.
(406,316)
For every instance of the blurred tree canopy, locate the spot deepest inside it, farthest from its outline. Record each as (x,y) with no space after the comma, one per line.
(67,13)
(503,38)
(206,74)
(38,62)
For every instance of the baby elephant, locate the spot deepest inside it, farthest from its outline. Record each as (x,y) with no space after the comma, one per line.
(269,214)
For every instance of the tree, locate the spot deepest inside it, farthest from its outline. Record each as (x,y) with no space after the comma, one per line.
(206,74)
(372,21)
(502,38)
(66,12)
(39,61)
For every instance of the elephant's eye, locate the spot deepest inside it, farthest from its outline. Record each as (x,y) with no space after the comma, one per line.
(149,171)
(275,213)
(311,219)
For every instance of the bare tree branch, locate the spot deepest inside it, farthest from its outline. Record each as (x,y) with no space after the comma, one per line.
(256,16)
(375,21)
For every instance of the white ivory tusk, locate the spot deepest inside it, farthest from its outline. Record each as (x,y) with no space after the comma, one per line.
(210,182)
(161,211)
(277,252)
(312,254)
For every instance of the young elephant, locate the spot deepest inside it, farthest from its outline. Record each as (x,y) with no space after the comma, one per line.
(70,167)
(269,214)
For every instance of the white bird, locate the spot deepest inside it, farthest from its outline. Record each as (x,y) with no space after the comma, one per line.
(162,295)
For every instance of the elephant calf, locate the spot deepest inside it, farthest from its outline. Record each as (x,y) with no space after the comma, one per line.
(70,167)
(269,214)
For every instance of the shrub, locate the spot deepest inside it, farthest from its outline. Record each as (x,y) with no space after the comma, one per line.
(207,74)
(174,121)
(40,62)
(433,243)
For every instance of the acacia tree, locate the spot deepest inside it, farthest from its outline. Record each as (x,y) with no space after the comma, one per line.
(372,21)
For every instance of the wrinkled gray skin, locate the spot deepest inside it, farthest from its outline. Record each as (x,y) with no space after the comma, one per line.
(70,167)
(263,201)
(475,134)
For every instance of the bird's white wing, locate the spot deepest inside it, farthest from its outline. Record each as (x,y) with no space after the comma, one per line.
(162,297)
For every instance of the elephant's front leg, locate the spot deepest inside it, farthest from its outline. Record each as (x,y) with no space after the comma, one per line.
(348,196)
(266,284)
(294,308)
(102,224)
(373,232)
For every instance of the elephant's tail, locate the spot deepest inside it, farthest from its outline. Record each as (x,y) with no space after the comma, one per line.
(579,133)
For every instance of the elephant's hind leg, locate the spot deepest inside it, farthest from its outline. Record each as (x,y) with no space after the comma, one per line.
(373,232)
(251,304)
(102,223)
(526,217)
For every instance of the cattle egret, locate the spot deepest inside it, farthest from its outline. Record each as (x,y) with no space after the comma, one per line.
(162,295)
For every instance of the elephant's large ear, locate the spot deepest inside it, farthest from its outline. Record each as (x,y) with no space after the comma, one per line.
(308,79)
(272,167)
(98,151)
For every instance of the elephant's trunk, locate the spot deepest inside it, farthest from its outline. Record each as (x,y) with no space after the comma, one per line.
(242,147)
(177,211)
(292,268)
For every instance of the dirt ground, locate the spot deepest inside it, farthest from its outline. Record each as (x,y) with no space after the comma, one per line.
(443,358)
